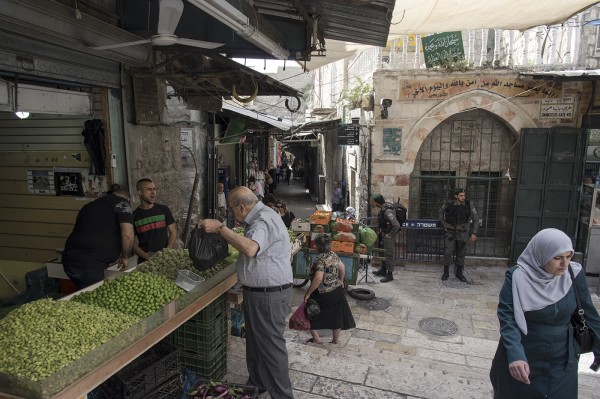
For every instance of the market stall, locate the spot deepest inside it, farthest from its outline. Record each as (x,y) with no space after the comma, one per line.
(82,375)
(346,242)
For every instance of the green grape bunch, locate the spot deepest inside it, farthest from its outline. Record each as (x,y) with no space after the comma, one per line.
(41,337)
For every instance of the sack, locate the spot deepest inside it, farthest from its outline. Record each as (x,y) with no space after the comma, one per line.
(298,321)
(206,249)
(582,333)
(312,309)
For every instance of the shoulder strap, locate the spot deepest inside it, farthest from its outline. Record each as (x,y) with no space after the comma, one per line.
(580,311)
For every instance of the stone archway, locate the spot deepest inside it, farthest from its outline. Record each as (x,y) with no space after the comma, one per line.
(468,142)
(511,114)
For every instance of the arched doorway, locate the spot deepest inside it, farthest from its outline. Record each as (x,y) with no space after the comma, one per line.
(477,151)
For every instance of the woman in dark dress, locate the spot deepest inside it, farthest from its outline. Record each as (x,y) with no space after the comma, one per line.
(536,355)
(327,288)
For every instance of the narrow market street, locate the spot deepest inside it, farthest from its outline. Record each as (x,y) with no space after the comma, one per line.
(395,352)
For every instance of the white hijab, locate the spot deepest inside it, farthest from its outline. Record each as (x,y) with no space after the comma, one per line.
(532,287)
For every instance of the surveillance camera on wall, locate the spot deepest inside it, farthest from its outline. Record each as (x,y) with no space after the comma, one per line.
(386,102)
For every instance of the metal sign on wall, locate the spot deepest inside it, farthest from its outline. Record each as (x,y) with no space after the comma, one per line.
(348,134)
(563,107)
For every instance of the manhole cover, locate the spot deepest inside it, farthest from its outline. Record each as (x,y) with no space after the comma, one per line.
(455,283)
(438,326)
(374,304)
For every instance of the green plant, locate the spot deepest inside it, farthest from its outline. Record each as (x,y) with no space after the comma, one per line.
(354,94)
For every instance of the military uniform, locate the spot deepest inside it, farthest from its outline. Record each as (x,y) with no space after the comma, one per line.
(456,218)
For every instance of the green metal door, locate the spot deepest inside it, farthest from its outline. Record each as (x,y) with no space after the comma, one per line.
(548,184)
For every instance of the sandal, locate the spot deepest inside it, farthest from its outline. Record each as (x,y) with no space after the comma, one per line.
(312,341)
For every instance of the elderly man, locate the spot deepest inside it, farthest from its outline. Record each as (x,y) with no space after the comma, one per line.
(263,268)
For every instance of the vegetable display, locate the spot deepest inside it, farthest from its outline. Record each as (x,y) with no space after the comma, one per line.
(218,390)
(167,263)
(41,337)
(135,293)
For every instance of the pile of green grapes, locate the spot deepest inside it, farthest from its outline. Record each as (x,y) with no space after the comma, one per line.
(42,336)
(167,263)
(135,293)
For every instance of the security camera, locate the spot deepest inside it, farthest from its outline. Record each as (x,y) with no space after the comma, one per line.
(386,102)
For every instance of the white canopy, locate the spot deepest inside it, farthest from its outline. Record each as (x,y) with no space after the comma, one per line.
(430,16)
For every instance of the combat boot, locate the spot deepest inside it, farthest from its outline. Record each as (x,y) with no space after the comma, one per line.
(388,277)
(460,275)
(382,271)
(446,273)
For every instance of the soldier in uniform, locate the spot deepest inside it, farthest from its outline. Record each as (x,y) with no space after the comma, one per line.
(456,215)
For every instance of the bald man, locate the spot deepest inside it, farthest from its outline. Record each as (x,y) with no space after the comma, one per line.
(263,267)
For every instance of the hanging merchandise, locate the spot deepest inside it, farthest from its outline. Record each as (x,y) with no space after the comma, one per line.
(93,133)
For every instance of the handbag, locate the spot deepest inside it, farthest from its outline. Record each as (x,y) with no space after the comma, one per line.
(583,334)
(206,249)
(298,321)
(312,309)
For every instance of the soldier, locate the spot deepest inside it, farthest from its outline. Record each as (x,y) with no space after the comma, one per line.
(455,216)
(388,229)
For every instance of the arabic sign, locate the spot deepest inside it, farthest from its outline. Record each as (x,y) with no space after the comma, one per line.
(557,108)
(348,134)
(392,140)
(442,48)
(504,86)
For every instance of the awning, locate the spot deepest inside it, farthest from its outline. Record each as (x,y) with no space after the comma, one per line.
(279,123)
(563,76)
(431,16)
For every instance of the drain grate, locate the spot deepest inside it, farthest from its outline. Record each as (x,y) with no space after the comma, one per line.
(438,326)
(374,304)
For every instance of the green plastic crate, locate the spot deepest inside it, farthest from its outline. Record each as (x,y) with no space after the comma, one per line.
(201,338)
(211,312)
(213,367)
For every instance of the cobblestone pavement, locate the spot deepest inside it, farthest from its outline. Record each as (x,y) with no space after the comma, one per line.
(390,355)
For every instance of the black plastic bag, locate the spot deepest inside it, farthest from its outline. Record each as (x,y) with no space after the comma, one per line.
(206,249)
(312,309)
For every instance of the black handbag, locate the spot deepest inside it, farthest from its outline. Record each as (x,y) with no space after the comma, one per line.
(206,249)
(583,334)
(312,309)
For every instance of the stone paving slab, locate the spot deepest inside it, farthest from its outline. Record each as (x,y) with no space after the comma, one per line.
(388,356)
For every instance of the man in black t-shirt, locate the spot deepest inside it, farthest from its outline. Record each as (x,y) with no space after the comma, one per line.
(103,234)
(154,223)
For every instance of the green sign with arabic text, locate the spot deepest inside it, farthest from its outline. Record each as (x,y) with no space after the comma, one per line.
(441,48)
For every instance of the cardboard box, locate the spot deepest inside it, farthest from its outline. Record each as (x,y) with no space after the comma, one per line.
(320,217)
(342,246)
(300,226)
(55,269)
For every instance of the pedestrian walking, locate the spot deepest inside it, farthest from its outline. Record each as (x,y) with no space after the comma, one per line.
(537,356)
(456,216)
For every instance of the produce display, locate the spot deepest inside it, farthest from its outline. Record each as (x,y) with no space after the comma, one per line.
(135,293)
(367,235)
(167,263)
(42,336)
(214,390)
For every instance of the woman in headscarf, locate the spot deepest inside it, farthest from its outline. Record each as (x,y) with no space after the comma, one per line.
(536,355)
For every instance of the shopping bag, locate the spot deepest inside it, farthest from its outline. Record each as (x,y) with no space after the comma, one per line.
(206,249)
(298,321)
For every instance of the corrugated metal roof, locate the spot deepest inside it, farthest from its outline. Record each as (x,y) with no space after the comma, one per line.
(356,21)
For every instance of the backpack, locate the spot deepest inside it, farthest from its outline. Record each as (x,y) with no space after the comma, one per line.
(401,212)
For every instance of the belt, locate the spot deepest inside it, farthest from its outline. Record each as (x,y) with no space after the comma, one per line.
(268,289)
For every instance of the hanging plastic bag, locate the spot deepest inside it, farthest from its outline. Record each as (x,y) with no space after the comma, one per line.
(298,321)
(206,249)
